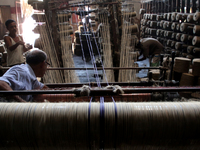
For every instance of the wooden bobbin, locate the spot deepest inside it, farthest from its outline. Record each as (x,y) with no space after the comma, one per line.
(173,16)
(182,65)
(196,67)
(187,79)
(190,18)
(196,41)
(178,36)
(153,24)
(196,50)
(184,37)
(190,49)
(196,16)
(184,26)
(159,17)
(196,29)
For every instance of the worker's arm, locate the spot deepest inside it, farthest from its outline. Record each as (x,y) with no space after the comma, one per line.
(9,45)
(24,47)
(141,59)
(5,87)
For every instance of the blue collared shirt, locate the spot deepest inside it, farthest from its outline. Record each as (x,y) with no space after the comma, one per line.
(22,77)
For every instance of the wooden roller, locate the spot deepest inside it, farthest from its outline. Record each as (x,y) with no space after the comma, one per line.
(190,18)
(196,67)
(196,41)
(178,36)
(196,50)
(187,79)
(190,49)
(159,17)
(196,29)
(182,65)
(129,126)
(196,16)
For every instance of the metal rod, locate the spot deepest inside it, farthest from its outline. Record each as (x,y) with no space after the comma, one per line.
(104,92)
(98,68)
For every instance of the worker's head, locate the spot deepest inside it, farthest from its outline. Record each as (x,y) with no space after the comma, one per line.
(11,26)
(38,61)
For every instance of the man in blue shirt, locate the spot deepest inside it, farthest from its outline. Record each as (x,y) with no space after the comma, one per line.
(24,76)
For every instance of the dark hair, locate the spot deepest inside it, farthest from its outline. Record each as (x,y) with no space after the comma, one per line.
(35,56)
(9,21)
(138,45)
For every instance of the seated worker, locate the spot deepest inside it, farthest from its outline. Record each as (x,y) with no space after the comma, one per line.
(152,48)
(23,77)
(15,45)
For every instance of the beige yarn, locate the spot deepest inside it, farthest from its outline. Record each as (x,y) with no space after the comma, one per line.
(196,67)
(181,65)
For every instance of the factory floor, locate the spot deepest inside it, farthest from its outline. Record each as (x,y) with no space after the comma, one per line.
(85,75)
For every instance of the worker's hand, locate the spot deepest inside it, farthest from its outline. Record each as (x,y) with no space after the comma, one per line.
(19,99)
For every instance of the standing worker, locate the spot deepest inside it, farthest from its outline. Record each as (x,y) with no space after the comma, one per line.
(15,45)
(152,48)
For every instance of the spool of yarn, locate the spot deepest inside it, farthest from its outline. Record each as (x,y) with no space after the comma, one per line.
(159,17)
(184,27)
(196,41)
(153,16)
(190,38)
(187,79)
(196,50)
(148,23)
(178,27)
(143,28)
(182,65)
(158,24)
(190,49)
(169,42)
(161,24)
(153,32)
(142,11)
(169,16)
(169,24)
(164,25)
(178,46)
(178,36)
(165,16)
(184,37)
(196,16)
(168,34)
(181,16)
(173,16)
(173,37)
(153,24)
(196,67)
(190,18)
(173,26)
(196,29)
(173,44)
(144,22)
